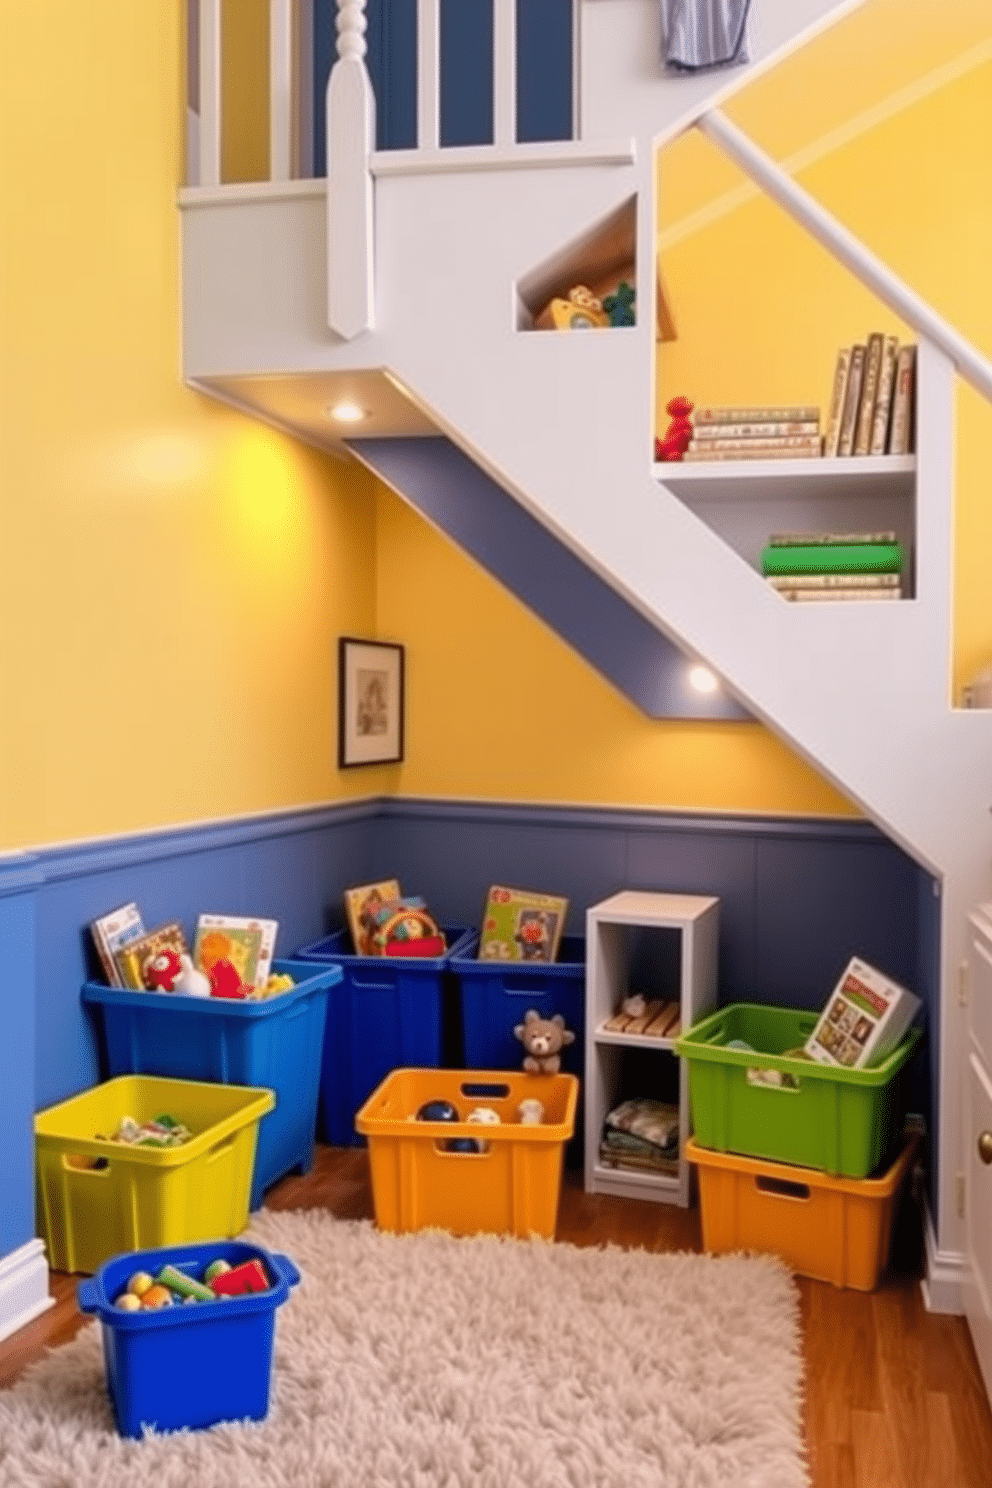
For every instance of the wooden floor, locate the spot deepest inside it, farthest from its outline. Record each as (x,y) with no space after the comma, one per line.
(894,1398)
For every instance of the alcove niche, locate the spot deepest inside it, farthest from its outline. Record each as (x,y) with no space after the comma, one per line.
(601,259)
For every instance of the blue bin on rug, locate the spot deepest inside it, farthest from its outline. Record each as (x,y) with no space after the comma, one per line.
(386,1013)
(495,995)
(275,1043)
(188,1366)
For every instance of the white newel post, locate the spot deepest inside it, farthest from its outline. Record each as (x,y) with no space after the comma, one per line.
(350,142)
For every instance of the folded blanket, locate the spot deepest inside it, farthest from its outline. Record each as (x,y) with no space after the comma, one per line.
(656,1122)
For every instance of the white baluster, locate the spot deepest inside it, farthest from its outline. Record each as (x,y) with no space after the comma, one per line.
(505,72)
(350,142)
(281,129)
(210,35)
(428,74)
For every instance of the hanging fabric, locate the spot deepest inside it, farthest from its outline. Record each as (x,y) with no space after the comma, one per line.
(704,33)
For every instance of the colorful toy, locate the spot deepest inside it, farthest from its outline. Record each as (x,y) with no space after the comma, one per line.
(408,932)
(237,1280)
(186,1286)
(139,1283)
(128,1302)
(530,1112)
(619,305)
(543,1040)
(581,311)
(157,1296)
(225,980)
(190,979)
(483,1116)
(216,1268)
(160,971)
(437,1110)
(678,433)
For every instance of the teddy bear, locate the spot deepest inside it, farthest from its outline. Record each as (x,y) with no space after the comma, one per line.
(543,1039)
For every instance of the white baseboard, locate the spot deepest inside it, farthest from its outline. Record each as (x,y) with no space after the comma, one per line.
(23,1287)
(946,1271)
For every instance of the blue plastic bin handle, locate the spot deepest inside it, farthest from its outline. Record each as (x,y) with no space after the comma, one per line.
(87,1296)
(287,1270)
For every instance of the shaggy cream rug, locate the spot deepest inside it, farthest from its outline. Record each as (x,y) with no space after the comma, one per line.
(425,1361)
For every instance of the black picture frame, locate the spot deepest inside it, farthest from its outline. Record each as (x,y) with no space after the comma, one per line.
(370,702)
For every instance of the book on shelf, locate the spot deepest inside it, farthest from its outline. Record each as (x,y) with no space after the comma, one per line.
(869,392)
(811,594)
(247,942)
(879,443)
(798,445)
(831,439)
(852,400)
(901,436)
(759,430)
(755,450)
(828,539)
(788,581)
(112,931)
(802,413)
(865,1018)
(833,558)
(131,958)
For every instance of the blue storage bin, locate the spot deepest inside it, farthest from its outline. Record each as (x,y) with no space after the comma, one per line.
(276,1043)
(387,1012)
(188,1366)
(495,995)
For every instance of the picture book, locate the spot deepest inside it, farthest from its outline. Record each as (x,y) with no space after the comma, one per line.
(518,925)
(864,1019)
(362,905)
(112,931)
(248,943)
(130,959)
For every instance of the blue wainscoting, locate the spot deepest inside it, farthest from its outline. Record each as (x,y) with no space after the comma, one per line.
(798,898)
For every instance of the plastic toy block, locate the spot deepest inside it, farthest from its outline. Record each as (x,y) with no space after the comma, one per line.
(249,1277)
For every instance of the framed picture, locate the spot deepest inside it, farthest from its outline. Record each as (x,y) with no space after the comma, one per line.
(370,702)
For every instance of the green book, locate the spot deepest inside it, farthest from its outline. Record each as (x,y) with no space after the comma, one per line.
(832,558)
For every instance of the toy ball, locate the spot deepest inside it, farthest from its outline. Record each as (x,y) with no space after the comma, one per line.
(437,1110)
(157,1296)
(216,1268)
(464,1144)
(139,1283)
(128,1302)
(485,1115)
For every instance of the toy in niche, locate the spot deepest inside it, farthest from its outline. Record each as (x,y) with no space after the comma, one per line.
(543,1040)
(520,926)
(679,432)
(619,305)
(580,311)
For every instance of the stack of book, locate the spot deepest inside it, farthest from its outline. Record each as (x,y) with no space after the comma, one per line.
(641,1135)
(873,399)
(834,565)
(766,433)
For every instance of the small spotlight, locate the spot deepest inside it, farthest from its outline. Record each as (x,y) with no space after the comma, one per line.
(346,413)
(702,679)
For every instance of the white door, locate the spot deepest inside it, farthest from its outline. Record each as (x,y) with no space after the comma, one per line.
(978,1136)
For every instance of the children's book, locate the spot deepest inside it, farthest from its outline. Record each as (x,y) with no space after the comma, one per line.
(112,931)
(248,943)
(521,926)
(363,905)
(130,959)
(864,1020)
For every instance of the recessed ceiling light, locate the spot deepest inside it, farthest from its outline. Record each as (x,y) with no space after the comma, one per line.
(702,679)
(346,412)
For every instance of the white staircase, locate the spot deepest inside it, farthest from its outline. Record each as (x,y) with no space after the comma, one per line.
(430,323)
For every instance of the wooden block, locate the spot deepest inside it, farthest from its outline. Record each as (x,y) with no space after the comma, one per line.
(659,1025)
(618,1023)
(638,1025)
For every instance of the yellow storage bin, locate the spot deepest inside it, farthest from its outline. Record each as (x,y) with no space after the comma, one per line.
(832,1229)
(512,1188)
(98,1198)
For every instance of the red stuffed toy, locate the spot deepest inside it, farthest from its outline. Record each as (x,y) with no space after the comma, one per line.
(678,433)
(160,971)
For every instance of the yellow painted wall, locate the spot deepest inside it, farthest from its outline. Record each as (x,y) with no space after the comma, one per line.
(173,576)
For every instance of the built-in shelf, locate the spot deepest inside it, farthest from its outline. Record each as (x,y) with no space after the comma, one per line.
(745,501)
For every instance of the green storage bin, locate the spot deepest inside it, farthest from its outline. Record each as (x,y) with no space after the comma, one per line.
(841,1121)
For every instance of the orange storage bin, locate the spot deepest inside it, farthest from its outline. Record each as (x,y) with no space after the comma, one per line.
(512,1188)
(832,1229)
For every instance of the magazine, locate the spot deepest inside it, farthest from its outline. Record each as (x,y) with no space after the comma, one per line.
(864,1019)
